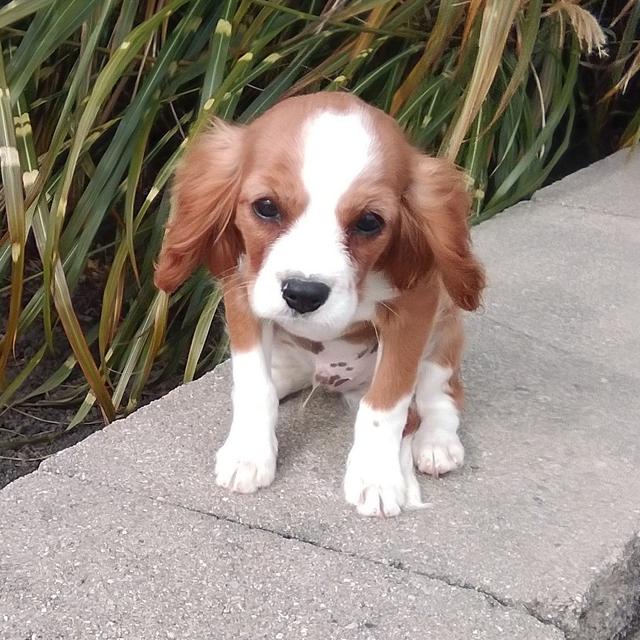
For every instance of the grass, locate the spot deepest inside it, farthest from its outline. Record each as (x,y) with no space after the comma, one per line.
(100,97)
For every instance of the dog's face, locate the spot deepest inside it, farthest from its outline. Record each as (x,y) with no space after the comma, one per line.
(317,209)
(327,209)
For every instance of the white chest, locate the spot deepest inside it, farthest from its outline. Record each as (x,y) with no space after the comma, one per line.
(339,365)
(345,366)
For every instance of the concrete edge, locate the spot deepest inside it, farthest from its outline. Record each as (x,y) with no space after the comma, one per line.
(620,582)
(564,188)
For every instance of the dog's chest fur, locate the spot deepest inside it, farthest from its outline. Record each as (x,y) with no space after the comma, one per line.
(343,365)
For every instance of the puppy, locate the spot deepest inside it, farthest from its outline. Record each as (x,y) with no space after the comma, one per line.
(344,257)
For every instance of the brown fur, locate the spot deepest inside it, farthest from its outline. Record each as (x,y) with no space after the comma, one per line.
(205,193)
(244,328)
(308,345)
(434,233)
(447,351)
(404,330)
(424,247)
(360,332)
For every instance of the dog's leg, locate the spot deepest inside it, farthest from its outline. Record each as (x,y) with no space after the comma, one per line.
(247,460)
(376,478)
(436,446)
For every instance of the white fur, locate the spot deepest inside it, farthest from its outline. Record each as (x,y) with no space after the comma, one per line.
(436,446)
(414,498)
(376,288)
(336,148)
(379,480)
(247,460)
(292,367)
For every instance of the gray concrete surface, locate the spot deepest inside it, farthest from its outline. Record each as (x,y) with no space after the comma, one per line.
(609,186)
(537,536)
(104,564)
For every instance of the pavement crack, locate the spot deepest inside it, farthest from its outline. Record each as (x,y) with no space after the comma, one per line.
(492,598)
(397,565)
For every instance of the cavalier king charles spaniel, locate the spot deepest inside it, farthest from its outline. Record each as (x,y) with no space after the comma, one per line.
(344,257)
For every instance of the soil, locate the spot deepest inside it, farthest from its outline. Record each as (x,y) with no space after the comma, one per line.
(43,420)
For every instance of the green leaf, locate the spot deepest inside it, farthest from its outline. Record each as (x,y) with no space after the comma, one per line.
(15,10)
(14,204)
(201,332)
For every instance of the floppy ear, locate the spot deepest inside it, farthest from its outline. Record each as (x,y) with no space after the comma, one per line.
(434,233)
(205,194)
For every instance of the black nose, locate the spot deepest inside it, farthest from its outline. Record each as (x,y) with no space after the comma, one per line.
(304,296)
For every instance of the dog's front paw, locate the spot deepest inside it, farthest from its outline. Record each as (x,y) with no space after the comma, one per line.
(437,452)
(244,467)
(375,487)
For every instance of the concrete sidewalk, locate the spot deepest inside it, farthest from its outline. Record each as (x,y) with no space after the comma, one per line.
(537,537)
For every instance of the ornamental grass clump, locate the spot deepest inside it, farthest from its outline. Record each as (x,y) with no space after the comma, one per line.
(99,98)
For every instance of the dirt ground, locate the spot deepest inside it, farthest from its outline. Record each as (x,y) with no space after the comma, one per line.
(44,419)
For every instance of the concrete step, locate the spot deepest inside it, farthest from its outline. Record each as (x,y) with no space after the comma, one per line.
(536,537)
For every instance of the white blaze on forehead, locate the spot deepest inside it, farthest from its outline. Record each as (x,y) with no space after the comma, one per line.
(336,149)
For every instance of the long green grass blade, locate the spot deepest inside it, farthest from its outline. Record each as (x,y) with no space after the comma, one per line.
(15,10)
(497,20)
(63,17)
(14,204)
(218,52)
(103,93)
(200,334)
(24,373)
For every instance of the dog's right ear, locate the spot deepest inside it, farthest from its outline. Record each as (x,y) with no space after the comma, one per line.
(205,195)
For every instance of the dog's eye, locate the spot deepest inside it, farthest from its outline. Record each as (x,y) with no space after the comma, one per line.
(265,208)
(368,224)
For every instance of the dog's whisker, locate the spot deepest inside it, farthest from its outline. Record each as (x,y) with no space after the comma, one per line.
(375,330)
(236,287)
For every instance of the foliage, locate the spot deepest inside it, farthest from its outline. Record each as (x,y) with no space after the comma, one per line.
(100,97)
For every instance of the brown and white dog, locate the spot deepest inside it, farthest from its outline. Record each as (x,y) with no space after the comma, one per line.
(344,257)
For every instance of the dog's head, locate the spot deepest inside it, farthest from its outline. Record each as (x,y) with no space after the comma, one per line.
(326,208)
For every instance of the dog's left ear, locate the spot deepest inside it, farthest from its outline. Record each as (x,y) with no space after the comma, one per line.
(434,233)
